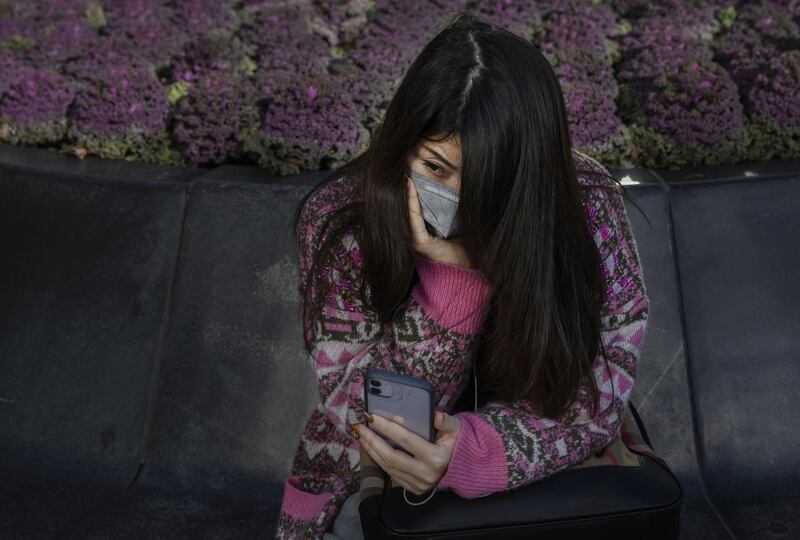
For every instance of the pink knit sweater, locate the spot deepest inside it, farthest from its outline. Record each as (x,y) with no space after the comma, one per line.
(502,446)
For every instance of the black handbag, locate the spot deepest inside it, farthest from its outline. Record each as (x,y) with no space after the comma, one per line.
(625,490)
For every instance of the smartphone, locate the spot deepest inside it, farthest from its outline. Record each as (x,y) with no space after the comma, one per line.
(405,396)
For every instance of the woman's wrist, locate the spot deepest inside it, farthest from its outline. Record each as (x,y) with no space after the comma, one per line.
(462,262)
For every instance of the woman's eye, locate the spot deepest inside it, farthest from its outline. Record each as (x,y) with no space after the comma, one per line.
(434,168)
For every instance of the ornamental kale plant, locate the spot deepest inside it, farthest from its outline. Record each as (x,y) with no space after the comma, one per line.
(693,116)
(521,18)
(339,22)
(399,29)
(759,50)
(304,123)
(46,41)
(144,29)
(592,118)
(578,42)
(201,17)
(210,121)
(770,21)
(34,106)
(11,64)
(208,54)
(120,113)
(682,108)
(300,85)
(773,105)
(278,38)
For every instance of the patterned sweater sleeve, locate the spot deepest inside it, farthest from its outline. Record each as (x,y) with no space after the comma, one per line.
(348,339)
(503,446)
(431,338)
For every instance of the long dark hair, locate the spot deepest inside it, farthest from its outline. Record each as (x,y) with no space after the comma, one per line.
(520,215)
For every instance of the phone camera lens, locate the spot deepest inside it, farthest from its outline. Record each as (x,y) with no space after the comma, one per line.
(374,382)
(374,391)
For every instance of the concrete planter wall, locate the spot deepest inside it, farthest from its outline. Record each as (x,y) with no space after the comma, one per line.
(153,381)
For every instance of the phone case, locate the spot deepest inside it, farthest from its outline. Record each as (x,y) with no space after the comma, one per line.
(411,398)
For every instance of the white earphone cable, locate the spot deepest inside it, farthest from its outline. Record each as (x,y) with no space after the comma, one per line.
(421,502)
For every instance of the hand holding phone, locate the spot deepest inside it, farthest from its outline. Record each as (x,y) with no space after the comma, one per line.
(399,404)
(404,399)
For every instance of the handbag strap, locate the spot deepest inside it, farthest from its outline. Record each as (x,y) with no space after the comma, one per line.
(374,480)
(640,425)
(634,435)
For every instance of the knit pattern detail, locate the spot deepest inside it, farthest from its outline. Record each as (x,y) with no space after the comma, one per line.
(426,340)
(501,446)
(443,297)
(478,465)
(535,447)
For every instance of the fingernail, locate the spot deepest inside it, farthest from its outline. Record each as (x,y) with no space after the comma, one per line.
(369,417)
(355,428)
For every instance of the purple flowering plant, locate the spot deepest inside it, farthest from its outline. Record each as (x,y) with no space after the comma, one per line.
(294,86)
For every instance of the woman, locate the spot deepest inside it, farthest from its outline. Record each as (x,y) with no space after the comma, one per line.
(523,261)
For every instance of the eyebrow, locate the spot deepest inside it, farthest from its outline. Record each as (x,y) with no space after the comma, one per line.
(438,155)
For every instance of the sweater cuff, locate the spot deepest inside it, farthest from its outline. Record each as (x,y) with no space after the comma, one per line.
(302,505)
(478,465)
(455,297)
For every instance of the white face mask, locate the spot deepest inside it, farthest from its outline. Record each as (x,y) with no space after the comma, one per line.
(438,203)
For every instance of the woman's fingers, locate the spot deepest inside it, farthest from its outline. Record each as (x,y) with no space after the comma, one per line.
(424,242)
(400,434)
(402,477)
(391,459)
(418,231)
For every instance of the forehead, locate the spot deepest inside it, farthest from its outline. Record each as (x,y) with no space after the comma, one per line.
(450,148)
